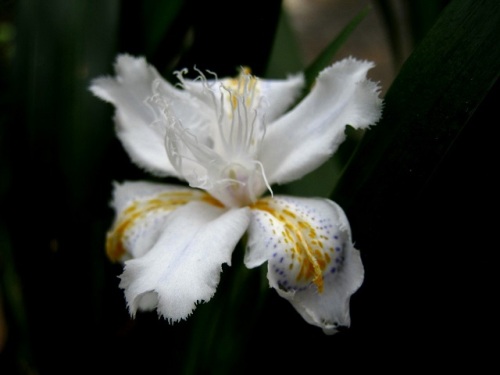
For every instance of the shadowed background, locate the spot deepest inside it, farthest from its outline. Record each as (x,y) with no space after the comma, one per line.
(415,191)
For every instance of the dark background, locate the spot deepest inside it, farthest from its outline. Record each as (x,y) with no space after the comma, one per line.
(423,215)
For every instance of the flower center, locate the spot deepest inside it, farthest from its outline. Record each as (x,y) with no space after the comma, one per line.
(240,185)
(221,155)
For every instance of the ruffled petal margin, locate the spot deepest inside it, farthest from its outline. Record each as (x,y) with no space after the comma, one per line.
(183,267)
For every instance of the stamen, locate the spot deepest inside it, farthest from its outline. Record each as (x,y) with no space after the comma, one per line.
(263,174)
(220,122)
(241,127)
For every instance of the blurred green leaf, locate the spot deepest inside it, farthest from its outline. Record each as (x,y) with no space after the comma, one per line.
(155,29)
(431,100)
(417,190)
(158,18)
(422,15)
(242,37)
(285,56)
(14,328)
(57,147)
(418,17)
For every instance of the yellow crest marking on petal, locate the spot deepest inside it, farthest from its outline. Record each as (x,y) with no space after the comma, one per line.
(306,246)
(139,209)
(207,198)
(243,86)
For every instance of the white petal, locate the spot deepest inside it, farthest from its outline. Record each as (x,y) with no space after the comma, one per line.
(281,94)
(183,268)
(134,119)
(141,210)
(140,124)
(330,309)
(309,134)
(311,259)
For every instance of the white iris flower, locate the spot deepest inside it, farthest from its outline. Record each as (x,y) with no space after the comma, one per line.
(230,140)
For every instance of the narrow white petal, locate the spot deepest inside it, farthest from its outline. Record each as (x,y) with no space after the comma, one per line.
(141,210)
(311,259)
(135,121)
(183,268)
(308,135)
(140,125)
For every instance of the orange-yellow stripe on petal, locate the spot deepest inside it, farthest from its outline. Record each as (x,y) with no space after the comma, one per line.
(303,245)
(140,209)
